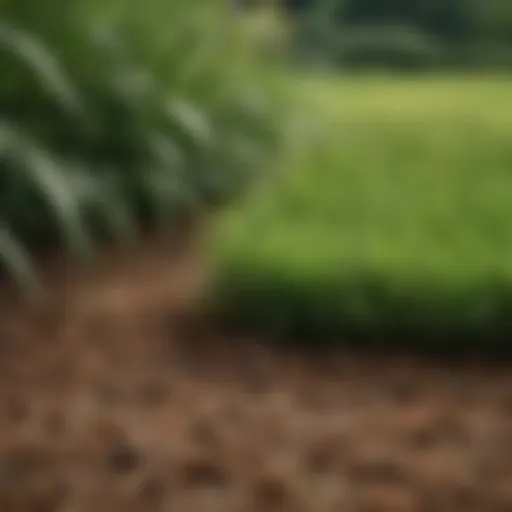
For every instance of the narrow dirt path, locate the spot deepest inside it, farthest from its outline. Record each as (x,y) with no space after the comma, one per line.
(105,407)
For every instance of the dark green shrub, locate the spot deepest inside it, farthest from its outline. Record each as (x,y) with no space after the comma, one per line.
(493,55)
(381,46)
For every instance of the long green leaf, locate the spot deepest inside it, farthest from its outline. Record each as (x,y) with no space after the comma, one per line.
(49,179)
(39,59)
(16,261)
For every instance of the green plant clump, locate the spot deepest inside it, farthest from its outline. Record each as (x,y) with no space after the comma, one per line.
(395,230)
(119,115)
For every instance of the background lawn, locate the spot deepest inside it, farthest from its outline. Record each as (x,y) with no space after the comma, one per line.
(393,221)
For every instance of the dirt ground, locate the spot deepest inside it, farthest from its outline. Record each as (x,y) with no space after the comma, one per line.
(105,406)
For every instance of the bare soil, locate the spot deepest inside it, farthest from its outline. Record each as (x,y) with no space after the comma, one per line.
(106,406)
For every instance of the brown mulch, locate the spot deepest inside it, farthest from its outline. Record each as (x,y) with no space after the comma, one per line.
(105,406)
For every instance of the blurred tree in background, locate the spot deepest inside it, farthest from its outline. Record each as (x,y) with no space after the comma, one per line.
(405,33)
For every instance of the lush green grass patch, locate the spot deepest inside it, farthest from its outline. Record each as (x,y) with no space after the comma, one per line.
(395,225)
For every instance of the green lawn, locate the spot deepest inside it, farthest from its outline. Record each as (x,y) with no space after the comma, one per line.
(394,223)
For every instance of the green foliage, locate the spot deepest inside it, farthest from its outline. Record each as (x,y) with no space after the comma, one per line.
(387,46)
(395,227)
(118,115)
(475,25)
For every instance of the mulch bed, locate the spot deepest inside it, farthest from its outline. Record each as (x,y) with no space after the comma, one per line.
(106,406)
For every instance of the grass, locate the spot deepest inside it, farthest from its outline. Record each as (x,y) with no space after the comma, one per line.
(393,227)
